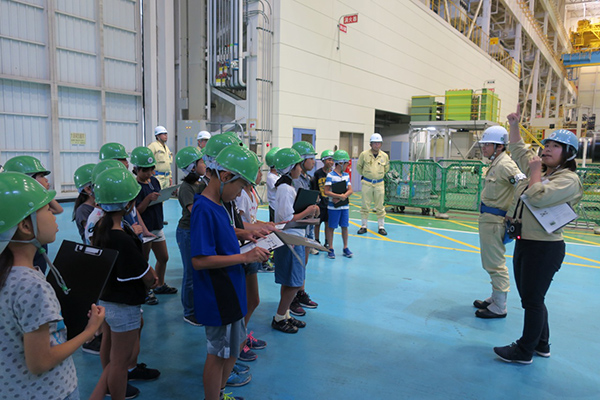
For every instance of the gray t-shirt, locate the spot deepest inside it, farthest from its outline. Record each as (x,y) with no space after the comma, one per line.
(27,302)
(186,197)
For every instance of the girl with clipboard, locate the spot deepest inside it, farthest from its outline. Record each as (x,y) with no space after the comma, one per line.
(33,345)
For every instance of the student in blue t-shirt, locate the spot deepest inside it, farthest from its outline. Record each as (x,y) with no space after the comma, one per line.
(338,215)
(219,277)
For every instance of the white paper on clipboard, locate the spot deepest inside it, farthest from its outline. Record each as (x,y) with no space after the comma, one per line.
(552,218)
(269,242)
(165,194)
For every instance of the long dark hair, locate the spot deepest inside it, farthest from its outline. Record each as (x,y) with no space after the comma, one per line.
(7,260)
(82,198)
(102,229)
(191,178)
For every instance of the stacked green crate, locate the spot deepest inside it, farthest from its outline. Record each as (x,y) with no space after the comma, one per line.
(458,105)
(423,108)
(489,105)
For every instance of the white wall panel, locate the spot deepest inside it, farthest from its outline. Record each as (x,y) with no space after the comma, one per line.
(75,33)
(120,13)
(74,67)
(122,119)
(86,9)
(58,44)
(120,75)
(396,50)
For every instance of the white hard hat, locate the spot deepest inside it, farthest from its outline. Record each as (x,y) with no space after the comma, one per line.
(203,135)
(159,129)
(495,134)
(376,137)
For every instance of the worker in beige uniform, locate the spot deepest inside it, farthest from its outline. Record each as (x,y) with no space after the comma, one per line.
(202,138)
(372,165)
(163,156)
(497,195)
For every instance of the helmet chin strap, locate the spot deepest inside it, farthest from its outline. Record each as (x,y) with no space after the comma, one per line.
(235,177)
(40,249)
(493,156)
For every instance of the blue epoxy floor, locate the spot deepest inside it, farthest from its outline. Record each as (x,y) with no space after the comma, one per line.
(394,322)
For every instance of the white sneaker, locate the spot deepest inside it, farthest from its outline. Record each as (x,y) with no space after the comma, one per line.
(314,251)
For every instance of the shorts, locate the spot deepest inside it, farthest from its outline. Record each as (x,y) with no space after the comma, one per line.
(339,218)
(160,235)
(226,341)
(323,214)
(271,214)
(288,270)
(252,268)
(122,317)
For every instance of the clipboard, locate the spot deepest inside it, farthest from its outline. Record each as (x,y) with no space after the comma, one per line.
(165,194)
(552,218)
(85,270)
(340,188)
(305,198)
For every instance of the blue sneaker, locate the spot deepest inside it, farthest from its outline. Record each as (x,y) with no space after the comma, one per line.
(247,355)
(348,253)
(240,369)
(254,343)
(236,379)
(331,254)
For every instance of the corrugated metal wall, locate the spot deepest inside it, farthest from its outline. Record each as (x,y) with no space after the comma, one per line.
(70,81)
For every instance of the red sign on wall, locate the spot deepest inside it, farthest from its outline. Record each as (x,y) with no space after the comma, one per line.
(343,28)
(350,19)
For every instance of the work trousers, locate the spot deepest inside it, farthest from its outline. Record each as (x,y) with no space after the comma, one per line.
(372,194)
(491,235)
(535,263)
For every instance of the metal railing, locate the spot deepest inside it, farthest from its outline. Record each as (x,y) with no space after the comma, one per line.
(457,185)
(459,19)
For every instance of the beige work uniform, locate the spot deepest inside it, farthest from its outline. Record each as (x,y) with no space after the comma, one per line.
(164,159)
(498,192)
(373,169)
(562,186)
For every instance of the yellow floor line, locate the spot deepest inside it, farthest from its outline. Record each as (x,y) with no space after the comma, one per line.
(374,233)
(581,240)
(583,258)
(378,237)
(434,233)
(465,225)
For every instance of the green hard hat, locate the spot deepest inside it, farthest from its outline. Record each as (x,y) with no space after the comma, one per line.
(83,175)
(217,143)
(143,157)
(115,186)
(26,165)
(21,196)
(304,149)
(287,157)
(234,136)
(341,156)
(270,156)
(187,156)
(326,154)
(103,166)
(240,161)
(112,151)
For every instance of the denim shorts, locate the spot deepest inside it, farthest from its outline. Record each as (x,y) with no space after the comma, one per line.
(160,235)
(226,341)
(122,317)
(74,395)
(252,268)
(288,270)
